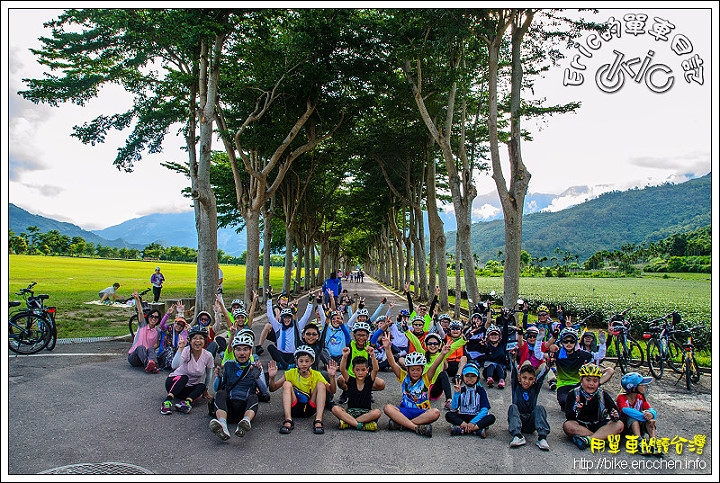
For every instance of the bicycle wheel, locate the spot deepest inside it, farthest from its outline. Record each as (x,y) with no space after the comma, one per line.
(621,353)
(635,356)
(688,372)
(52,334)
(133,325)
(27,333)
(695,375)
(655,359)
(676,355)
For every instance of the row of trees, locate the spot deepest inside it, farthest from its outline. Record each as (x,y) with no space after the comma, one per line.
(33,242)
(339,126)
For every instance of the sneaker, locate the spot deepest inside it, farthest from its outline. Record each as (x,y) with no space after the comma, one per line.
(264,398)
(424,430)
(482,433)
(166,408)
(243,427)
(344,425)
(371,426)
(392,426)
(456,430)
(219,429)
(490,382)
(501,384)
(553,385)
(581,441)
(183,407)
(343,398)
(543,444)
(259,350)
(151,366)
(448,404)
(517,441)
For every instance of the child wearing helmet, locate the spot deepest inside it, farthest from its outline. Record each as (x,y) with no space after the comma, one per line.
(525,415)
(494,368)
(359,347)
(283,302)
(192,371)
(229,356)
(304,389)
(590,412)
(359,414)
(597,346)
(440,382)
(470,408)
(568,360)
(236,399)
(414,411)
(287,334)
(637,414)
(422,310)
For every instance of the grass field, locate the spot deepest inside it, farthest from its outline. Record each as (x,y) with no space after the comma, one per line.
(71,282)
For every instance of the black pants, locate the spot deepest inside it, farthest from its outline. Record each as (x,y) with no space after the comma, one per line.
(156,293)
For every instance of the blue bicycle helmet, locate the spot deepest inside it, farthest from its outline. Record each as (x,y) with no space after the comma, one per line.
(632,380)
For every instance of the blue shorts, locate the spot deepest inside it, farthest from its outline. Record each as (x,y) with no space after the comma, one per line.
(411,413)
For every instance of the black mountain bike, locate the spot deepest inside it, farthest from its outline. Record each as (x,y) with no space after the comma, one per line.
(133,322)
(32,329)
(662,348)
(627,350)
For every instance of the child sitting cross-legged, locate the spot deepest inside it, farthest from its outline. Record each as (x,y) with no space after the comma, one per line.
(470,409)
(590,411)
(359,414)
(414,411)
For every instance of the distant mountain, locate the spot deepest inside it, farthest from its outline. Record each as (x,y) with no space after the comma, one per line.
(172,229)
(19,220)
(604,223)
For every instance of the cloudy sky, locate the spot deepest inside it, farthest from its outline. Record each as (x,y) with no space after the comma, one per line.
(618,140)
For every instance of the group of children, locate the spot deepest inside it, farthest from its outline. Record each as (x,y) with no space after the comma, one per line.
(316,358)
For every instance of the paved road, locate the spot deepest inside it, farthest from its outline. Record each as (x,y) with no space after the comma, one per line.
(83,403)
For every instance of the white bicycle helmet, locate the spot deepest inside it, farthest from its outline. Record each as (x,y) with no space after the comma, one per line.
(237,302)
(239,313)
(433,335)
(361,326)
(455,324)
(304,349)
(494,328)
(285,312)
(415,359)
(243,338)
(363,312)
(442,317)
(418,317)
(568,331)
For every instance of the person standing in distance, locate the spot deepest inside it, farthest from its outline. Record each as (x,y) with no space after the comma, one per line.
(157,279)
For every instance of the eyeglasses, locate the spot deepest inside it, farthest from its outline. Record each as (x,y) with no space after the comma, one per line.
(432,343)
(568,341)
(312,334)
(153,317)
(543,314)
(418,325)
(531,336)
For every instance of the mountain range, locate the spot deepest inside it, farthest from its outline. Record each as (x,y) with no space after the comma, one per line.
(607,222)
(603,223)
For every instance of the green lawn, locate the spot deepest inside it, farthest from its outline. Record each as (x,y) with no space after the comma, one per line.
(72,281)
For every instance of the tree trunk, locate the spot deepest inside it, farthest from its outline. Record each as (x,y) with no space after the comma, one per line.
(438,262)
(252,269)
(458,287)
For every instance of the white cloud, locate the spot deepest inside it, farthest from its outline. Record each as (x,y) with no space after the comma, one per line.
(484,212)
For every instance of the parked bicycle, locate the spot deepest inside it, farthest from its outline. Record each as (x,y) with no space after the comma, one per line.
(662,348)
(627,350)
(133,322)
(690,368)
(32,329)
